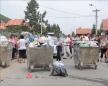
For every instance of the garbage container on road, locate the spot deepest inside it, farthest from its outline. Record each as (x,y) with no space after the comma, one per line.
(85,56)
(39,57)
(5,55)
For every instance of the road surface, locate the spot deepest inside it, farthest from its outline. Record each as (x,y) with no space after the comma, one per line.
(16,75)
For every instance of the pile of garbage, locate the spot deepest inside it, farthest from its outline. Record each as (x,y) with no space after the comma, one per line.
(59,69)
(37,42)
(34,44)
(88,43)
(32,40)
(3,41)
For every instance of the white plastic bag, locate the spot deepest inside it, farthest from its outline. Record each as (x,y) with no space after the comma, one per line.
(3,40)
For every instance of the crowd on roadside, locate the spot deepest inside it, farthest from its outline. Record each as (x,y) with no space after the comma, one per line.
(62,45)
(20,44)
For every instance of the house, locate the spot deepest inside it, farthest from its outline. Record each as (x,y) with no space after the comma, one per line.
(83,31)
(15,22)
(2,26)
(104,26)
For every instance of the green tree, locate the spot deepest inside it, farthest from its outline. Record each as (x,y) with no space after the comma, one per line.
(54,28)
(93,29)
(73,34)
(99,32)
(34,17)
(3,18)
(17,29)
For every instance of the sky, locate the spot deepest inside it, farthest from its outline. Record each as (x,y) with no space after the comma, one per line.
(69,14)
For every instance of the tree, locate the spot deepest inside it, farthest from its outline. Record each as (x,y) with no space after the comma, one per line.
(34,17)
(54,28)
(73,34)
(3,18)
(17,29)
(93,29)
(99,32)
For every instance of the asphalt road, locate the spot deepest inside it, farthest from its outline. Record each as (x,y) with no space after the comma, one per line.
(16,75)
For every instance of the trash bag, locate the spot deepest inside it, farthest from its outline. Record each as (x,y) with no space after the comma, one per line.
(58,69)
(3,40)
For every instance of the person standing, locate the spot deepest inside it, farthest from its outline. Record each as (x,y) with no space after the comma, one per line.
(22,49)
(67,47)
(103,47)
(13,42)
(70,43)
(59,49)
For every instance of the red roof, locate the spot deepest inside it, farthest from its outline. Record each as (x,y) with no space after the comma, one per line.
(105,24)
(2,26)
(15,22)
(82,31)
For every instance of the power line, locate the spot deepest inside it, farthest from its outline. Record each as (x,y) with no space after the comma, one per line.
(57,10)
(65,12)
(71,17)
(61,11)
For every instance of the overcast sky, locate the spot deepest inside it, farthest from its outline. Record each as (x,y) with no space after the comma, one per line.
(69,14)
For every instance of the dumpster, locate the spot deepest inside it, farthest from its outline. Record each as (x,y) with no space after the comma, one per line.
(85,56)
(39,57)
(5,55)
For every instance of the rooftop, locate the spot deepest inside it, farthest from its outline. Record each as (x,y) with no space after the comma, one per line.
(82,31)
(15,22)
(105,24)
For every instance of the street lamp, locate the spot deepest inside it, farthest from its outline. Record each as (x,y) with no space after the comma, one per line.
(96,16)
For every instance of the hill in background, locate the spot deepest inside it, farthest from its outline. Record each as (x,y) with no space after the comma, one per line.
(4,18)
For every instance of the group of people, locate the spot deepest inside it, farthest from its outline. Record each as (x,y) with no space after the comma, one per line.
(63,46)
(18,47)
(59,44)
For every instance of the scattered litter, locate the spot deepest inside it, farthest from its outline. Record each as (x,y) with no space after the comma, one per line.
(29,75)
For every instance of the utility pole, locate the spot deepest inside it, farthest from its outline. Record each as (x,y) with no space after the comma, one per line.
(96,18)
